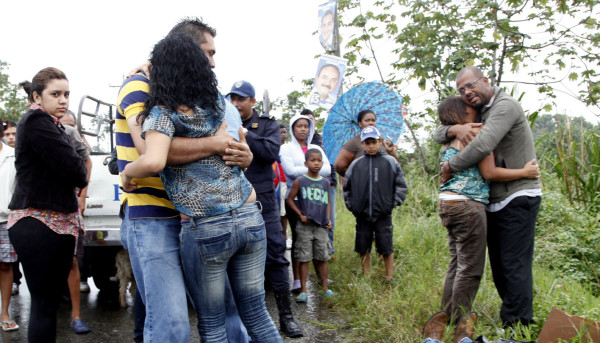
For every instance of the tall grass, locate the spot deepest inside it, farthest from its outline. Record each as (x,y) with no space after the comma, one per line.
(577,163)
(378,312)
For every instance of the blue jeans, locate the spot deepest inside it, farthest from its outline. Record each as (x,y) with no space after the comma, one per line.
(231,244)
(153,246)
(139,317)
(464,340)
(236,332)
(139,309)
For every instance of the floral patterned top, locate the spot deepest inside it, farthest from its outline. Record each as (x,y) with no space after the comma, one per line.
(468,182)
(59,222)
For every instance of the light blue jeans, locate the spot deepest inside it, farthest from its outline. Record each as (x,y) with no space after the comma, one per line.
(236,332)
(153,246)
(464,340)
(231,244)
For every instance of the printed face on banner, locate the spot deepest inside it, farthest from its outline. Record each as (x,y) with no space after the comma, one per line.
(327,81)
(327,24)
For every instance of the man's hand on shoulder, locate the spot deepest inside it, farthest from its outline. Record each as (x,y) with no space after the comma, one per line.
(465,133)
(238,153)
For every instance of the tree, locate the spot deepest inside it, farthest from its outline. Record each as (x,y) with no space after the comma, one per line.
(553,41)
(293,105)
(12,105)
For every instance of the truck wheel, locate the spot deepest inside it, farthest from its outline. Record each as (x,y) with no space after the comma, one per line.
(102,261)
(104,283)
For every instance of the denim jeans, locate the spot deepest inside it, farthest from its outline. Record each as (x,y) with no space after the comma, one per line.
(123,228)
(153,246)
(464,340)
(139,309)
(233,244)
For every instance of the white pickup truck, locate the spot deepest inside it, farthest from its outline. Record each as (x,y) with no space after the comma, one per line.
(95,122)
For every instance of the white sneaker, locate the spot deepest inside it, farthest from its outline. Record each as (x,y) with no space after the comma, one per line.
(15,289)
(296,286)
(84,287)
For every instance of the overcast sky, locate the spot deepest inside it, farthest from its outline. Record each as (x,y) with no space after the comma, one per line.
(96,43)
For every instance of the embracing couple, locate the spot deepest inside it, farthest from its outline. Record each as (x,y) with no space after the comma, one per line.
(191,222)
(487,138)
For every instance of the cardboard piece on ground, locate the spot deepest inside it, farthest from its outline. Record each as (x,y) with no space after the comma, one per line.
(565,326)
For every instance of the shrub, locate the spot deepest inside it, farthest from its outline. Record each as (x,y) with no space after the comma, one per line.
(567,239)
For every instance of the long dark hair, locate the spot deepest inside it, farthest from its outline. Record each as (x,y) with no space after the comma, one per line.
(452,111)
(180,75)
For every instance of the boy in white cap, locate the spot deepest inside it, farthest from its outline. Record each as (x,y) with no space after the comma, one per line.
(374,185)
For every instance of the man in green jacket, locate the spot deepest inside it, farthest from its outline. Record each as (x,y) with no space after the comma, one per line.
(514,205)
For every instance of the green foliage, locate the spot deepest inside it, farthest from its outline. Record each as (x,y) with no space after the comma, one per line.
(545,131)
(567,240)
(293,105)
(436,38)
(571,148)
(289,106)
(12,105)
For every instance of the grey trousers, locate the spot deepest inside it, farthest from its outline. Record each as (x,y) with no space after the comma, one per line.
(465,221)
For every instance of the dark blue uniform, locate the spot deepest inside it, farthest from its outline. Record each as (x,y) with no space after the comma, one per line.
(264,139)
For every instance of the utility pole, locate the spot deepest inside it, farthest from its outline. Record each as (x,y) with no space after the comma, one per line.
(336,34)
(336,45)
(266,102)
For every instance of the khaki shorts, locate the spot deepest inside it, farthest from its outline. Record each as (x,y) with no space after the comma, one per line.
(312,242)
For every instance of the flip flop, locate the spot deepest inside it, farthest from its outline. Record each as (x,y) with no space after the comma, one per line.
(9,325)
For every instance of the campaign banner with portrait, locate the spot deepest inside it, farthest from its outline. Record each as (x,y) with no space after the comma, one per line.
(327,82)
(327,24)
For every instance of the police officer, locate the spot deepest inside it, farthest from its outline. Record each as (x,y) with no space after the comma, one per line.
(264,139)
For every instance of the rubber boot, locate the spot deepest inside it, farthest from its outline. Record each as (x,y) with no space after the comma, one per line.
(286,320)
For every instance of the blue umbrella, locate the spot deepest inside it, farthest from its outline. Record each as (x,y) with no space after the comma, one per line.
(342,122)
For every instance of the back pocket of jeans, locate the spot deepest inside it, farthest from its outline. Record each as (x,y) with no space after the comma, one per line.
(215,249)
(257,238)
